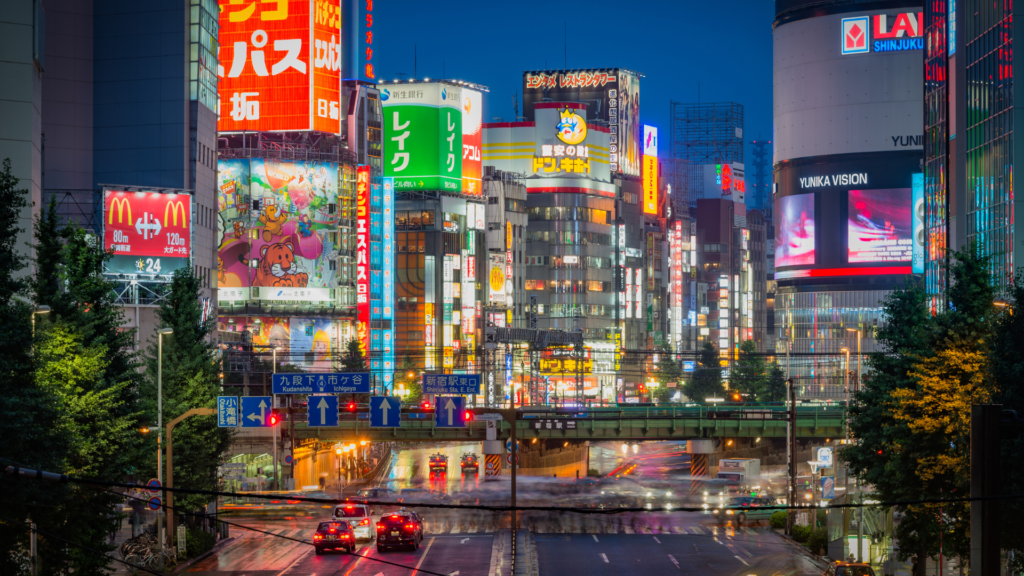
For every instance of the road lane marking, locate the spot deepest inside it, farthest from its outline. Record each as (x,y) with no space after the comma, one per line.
(595,537)
(628,530)
(741,560)
(464,540)
(424,557)
(678,530)
(605,558)
(656,539)
(696,530)
(750,531)
(456,529)
(674,561)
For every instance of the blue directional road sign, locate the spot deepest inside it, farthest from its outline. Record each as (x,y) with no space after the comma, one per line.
(322,383)
(322,411)
(451,384)
(255,411)
(227,411)
(450,412)
(385,412)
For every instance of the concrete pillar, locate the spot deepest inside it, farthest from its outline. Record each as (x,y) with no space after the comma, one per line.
(699,450)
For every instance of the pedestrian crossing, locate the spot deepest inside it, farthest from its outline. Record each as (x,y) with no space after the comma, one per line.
(607,527)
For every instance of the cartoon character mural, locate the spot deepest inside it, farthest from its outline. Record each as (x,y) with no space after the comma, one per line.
(314,339)
(276,220)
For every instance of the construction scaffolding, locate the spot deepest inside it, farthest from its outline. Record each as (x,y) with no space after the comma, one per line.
(709,133)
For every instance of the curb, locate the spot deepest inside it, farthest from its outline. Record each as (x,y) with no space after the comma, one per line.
(184,565)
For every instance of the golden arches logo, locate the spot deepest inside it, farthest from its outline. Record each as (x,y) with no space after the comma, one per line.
(121,204)
(176,206)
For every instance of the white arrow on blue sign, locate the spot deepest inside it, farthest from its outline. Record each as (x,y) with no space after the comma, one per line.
(322,412)
(385,412)
(255,410)
(333,383)
(227,411)
(450,412)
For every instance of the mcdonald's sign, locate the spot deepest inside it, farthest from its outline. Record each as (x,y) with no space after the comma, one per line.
(147,232)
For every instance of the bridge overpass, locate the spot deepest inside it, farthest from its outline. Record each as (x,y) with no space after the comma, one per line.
(642,423)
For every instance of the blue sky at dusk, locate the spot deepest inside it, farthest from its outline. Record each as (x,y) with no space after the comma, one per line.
(674,44)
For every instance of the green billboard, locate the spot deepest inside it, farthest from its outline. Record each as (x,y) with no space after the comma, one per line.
(423,136)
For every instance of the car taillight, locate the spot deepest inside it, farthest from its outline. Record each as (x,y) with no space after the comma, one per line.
(364,522)
(344,535)
(317,537)
(410,526)
(275,501)
(380,527)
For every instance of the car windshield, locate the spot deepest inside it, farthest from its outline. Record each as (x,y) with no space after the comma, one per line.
(389,520)
(367,493)
(854,571)
(740,502)
(327,526)
(350,512)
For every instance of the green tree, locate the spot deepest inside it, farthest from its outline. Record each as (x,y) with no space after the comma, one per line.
(48,249)
(353,359)
(191,379)
(749,375)
(775,385)
(28,414)
(669,371)
(408,374)
(706,381)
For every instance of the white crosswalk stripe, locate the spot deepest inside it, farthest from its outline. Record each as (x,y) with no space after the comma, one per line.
(696,530)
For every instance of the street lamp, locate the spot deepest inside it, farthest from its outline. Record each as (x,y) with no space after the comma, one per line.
(859,334)
(160,413)
(40,310)
(338,451)
(625,449)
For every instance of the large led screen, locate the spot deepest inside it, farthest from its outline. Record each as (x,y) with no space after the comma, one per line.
(313,342)
(879,226)
(794,236)
(276,226)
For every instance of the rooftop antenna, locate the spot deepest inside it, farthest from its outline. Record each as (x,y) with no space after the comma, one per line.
(515,104)
(565,44)
(415,61)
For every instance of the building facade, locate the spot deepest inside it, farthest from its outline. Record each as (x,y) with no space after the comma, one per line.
(848,173)
(969,152)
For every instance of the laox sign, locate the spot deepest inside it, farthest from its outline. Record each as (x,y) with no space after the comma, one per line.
(903,32)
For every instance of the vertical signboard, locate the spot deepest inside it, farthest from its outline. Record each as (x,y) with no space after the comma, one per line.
(496,279)
(677,282)
(388,315)
(472,142)
(148,232)
(363,256)
(917,188)
(423,136)
(280,65)
(650,172)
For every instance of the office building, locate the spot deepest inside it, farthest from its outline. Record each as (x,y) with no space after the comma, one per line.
(969,151)
(848,173)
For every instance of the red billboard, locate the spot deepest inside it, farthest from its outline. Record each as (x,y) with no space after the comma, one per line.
(280,65)
(363,256)
(148,232)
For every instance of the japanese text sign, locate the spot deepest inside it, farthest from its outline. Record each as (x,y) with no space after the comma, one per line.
(325,383)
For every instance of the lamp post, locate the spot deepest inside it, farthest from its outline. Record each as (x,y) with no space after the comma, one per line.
(273,429)
(859,358)
(338,451)
(40,310)
(160,414)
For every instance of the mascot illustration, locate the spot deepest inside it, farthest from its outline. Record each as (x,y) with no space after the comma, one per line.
(272,220)
(276,267)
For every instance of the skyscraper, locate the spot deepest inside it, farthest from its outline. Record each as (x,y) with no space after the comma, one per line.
(968,138)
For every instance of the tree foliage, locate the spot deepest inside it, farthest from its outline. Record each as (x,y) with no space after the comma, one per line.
(413,384)
(775,385)
(191,379)
(353,359)
(706,381)
(912,415)
(669,371)
(749,375)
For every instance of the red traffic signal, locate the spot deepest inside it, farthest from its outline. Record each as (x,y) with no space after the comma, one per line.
(426,405)
(274,418)
(351,406)
(469,416)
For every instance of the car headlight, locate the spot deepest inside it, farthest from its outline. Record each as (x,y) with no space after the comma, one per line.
(648,494)
(730,512)
(669,494)
(714,511)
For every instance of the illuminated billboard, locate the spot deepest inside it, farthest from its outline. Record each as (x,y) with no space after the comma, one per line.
(472,142)
(879,226)
(917,185)
(650,170)
(794,232)
(277,222)
(496,278)
(423,136)
(281,65)
(611,96)
(148,232)
(363,256)
(312,341)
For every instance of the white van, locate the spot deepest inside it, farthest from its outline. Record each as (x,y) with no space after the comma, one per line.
(358,517)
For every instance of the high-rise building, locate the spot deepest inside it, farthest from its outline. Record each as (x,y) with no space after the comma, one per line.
(709,133)
(848,171)
(106,98)
(969,140)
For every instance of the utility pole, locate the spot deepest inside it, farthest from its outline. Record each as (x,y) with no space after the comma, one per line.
(985,436)
(791,449)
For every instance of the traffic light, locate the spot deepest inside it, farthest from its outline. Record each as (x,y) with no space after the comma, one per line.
(469,415)
(274,418)
(351,406)
(426,405)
